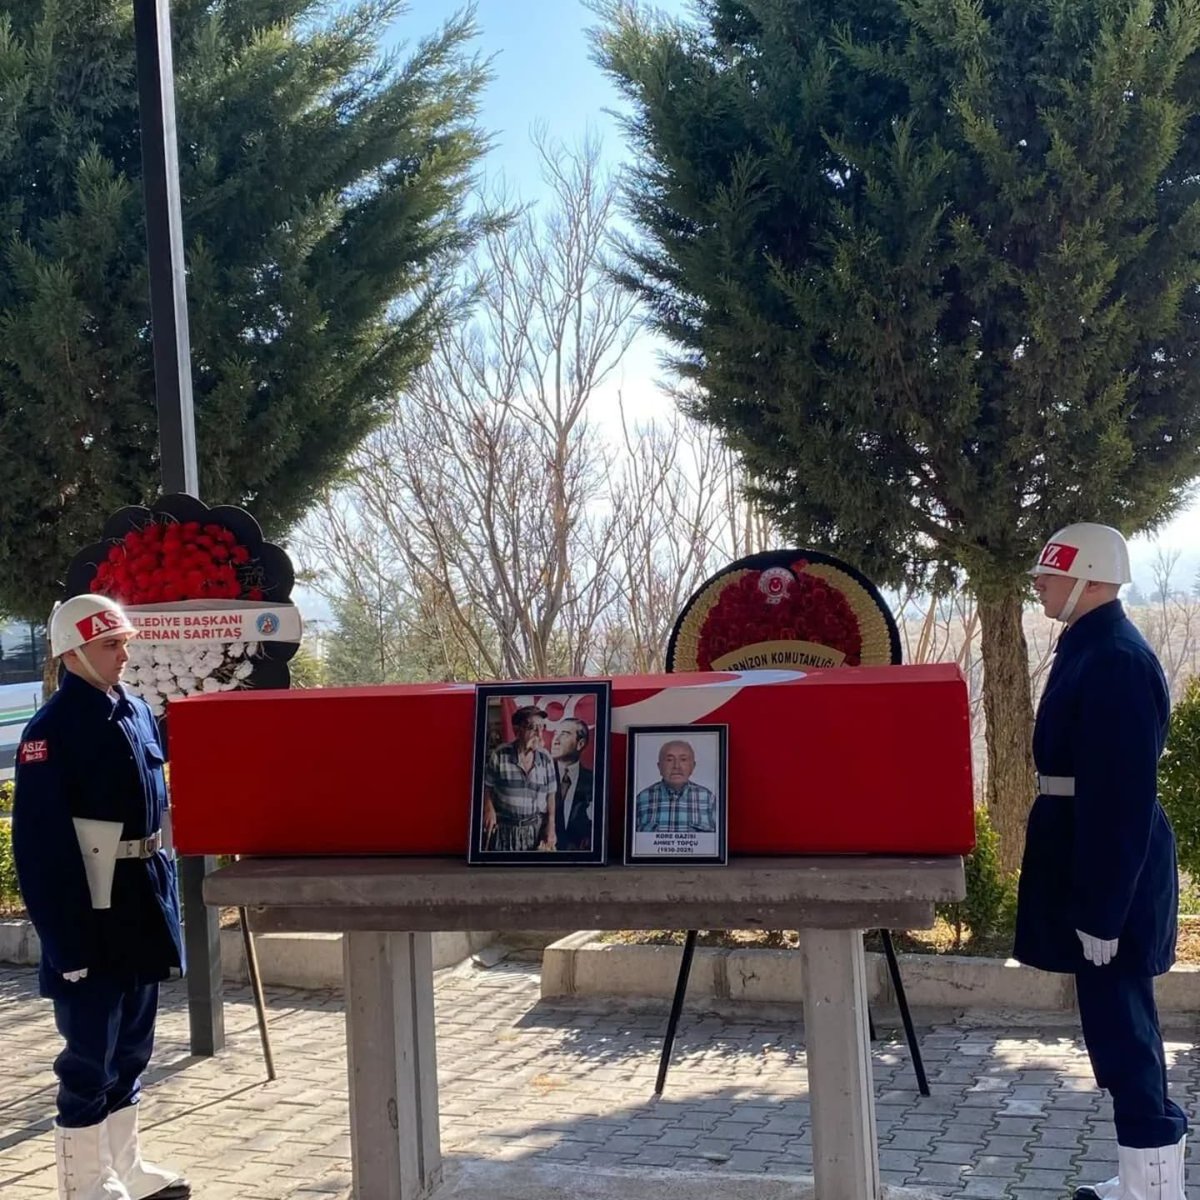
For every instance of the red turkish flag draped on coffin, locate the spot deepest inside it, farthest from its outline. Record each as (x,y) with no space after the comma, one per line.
(863,760)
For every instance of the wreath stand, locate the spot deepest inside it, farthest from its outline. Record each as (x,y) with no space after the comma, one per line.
(778,571)
(685,970)
(256,987)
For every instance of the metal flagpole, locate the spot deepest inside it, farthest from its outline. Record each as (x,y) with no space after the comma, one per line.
(177,433)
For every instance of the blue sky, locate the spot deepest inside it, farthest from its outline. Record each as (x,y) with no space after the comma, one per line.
(543,73)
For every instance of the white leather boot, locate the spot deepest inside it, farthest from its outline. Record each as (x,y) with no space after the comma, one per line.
(1179,1182)
(1099,1191)
(140,1178)
(1155,1173)
(84,1166)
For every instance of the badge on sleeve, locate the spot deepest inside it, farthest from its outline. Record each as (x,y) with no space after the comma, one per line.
(34,752)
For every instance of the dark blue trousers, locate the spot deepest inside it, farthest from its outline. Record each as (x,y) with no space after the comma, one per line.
(109,1030)
(1120,1029)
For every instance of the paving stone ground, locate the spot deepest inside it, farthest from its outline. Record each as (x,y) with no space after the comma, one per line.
(1013,1114)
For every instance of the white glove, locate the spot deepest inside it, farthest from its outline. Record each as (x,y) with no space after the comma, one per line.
(75,976)
(1097,950)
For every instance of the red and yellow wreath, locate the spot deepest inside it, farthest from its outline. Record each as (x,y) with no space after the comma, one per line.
(794,611)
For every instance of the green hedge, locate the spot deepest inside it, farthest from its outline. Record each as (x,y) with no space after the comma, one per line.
(10,896)
(990,908)
(1179,778)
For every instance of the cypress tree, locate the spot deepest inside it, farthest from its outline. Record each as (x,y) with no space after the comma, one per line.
(324,191)
(932,268)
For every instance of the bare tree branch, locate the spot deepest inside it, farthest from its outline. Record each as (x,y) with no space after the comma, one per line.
(515,540)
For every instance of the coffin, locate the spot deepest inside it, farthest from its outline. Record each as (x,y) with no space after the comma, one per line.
(840,761)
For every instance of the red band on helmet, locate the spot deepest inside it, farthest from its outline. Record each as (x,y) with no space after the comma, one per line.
(1058,557)
(99,624)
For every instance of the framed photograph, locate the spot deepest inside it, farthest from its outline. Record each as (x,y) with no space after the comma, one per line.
(540,783)
(676,806)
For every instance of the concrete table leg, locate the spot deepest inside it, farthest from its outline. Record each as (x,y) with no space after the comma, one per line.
(394,1139)
(845,1155)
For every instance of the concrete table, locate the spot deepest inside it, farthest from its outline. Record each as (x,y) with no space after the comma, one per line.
(389,907)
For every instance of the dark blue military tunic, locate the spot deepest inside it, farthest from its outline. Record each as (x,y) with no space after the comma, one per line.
(1102,861)
(88,755)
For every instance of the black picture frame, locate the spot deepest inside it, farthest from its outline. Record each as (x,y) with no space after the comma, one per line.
(581,838)
(710,746)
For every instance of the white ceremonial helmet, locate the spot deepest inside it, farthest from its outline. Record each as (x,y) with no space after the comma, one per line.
(84,619)
(1092,552)
(1087,553)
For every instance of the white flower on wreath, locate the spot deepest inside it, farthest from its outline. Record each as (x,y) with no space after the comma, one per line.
(161,672)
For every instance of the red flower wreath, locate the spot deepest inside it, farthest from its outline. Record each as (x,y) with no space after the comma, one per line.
(808,610)
(164,562)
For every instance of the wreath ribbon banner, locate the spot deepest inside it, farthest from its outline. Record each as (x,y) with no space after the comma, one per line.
(779,654)
(215,621)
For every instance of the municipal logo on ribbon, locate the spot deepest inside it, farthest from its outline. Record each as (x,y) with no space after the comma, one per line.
(267,624)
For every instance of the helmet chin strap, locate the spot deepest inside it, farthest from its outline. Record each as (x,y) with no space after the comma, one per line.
(89,671)
(1068,610)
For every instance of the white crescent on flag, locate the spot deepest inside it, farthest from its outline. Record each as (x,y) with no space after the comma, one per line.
(689,703)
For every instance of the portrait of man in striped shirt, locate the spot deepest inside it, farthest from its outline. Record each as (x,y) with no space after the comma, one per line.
(519,788)
(675,804)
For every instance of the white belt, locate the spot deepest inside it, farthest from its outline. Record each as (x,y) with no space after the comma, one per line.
(146,847)
(1056,785)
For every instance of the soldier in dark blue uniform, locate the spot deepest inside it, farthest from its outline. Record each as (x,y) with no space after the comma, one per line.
(1099,887)
(101,891)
